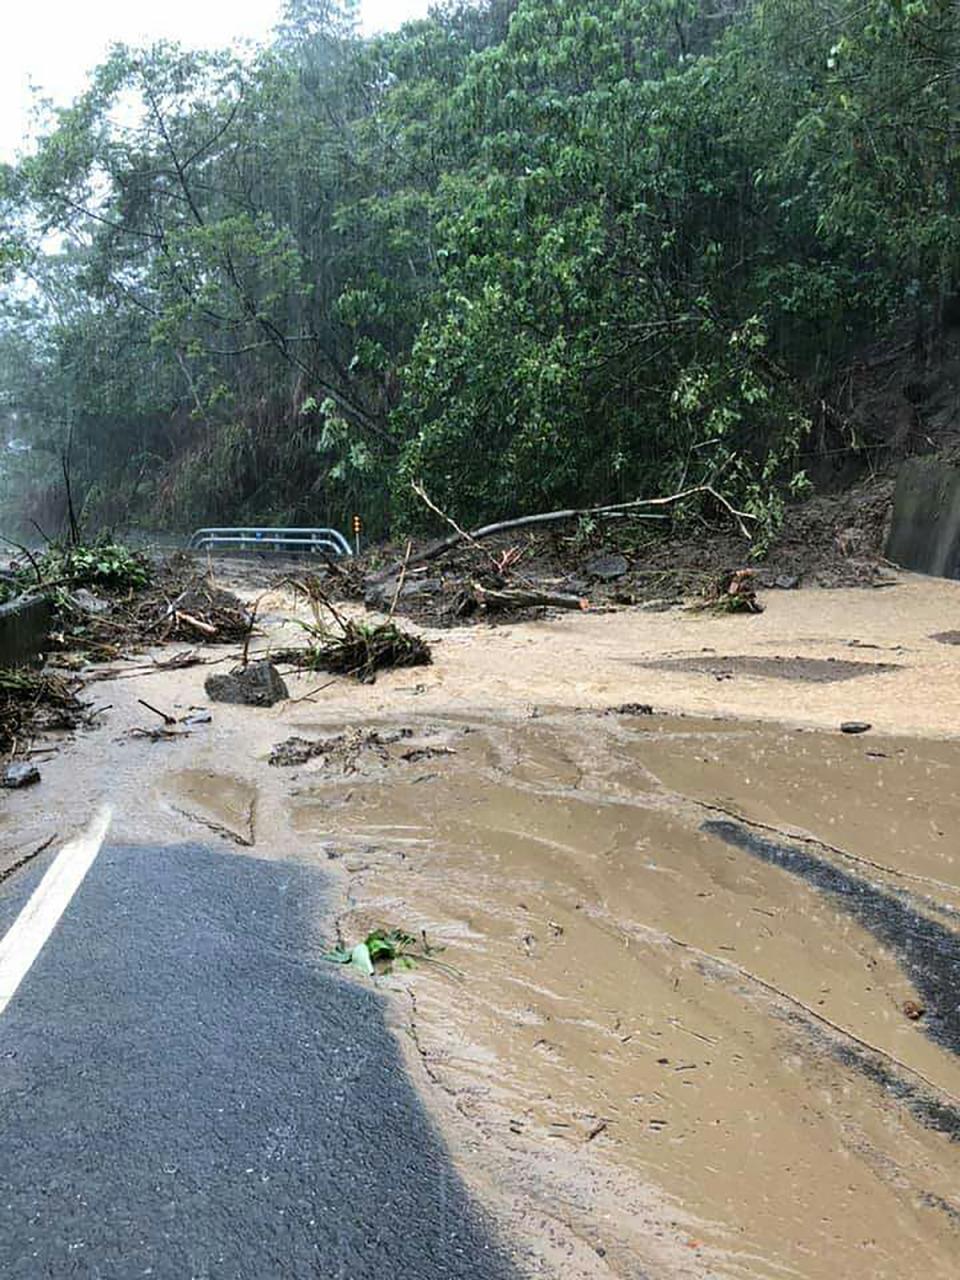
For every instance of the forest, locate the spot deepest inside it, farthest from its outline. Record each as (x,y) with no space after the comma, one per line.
(526,253)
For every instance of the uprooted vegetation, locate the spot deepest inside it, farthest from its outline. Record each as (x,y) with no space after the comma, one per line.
(33,702)
(109,600)
(348,646)
(622,558)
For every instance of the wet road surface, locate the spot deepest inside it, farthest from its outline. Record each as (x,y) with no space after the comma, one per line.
(187,1091)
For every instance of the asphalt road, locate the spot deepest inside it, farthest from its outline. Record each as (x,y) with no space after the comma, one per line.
(188,1092)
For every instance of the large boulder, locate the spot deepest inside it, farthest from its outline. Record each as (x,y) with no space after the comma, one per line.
(257,685)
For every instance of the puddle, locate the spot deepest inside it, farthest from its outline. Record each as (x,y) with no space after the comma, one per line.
(216,802)
(805,670)
(661,1000)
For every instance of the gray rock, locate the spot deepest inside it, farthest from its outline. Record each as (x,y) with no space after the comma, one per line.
(426,587)
(256,685)
(855,726)
(379,594)
(87,602)
(607,568)
(787,581)
(20,775)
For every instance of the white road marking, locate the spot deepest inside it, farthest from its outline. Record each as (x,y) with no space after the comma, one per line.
(24,940)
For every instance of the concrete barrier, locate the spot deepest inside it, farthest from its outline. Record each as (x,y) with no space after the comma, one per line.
(925,529)
(24,627)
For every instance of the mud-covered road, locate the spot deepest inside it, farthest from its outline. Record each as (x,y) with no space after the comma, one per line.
(706,1019)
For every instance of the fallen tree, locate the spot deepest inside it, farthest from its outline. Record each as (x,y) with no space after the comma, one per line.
(492,598)
(635,507)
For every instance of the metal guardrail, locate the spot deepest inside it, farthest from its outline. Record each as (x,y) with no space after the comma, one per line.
(326,541)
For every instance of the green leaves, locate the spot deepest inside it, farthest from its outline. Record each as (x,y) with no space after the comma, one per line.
(536,252)
(104,563)
(385,949)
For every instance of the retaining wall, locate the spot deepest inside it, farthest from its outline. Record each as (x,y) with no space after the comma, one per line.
(925,530)
(24,627)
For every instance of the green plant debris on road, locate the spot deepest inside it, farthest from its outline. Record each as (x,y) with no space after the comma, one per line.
(384,950)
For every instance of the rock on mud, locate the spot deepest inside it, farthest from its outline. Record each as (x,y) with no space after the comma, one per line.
(256,685)
(855,726)
(379,595)
(20,775)
(86,602)
(607,568)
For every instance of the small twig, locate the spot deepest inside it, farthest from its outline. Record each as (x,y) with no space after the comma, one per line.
(27,857)
(305,697)
(29,554)
(167,720)
(400,580)
(218,828)
(253,619)
(422,494)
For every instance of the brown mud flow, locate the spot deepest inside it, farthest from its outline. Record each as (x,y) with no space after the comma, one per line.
(707,1023)
(760,1025)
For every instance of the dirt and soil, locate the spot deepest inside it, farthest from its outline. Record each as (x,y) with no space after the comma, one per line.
(708,945)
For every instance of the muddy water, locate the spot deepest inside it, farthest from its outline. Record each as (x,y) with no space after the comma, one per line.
(707,1019)
(642,987)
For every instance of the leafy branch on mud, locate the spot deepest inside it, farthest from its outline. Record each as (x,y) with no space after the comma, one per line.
(347,646)
(384,950)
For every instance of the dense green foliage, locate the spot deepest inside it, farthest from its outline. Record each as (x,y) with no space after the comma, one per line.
(533,252)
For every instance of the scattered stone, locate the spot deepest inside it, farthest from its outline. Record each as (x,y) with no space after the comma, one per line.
(855,726)
(256,685)
(416,754)
(607,568)
(19,775)
(913,1010)
(786,581)
(87,602)
(379,594)
(296,750)
(630,709)
(947,637)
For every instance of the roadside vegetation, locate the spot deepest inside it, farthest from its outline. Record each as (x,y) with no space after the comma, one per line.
(530,253)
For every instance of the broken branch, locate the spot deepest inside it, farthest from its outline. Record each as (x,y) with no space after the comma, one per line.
(435,549)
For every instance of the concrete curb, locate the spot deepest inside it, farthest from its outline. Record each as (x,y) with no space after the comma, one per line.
(24,627)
